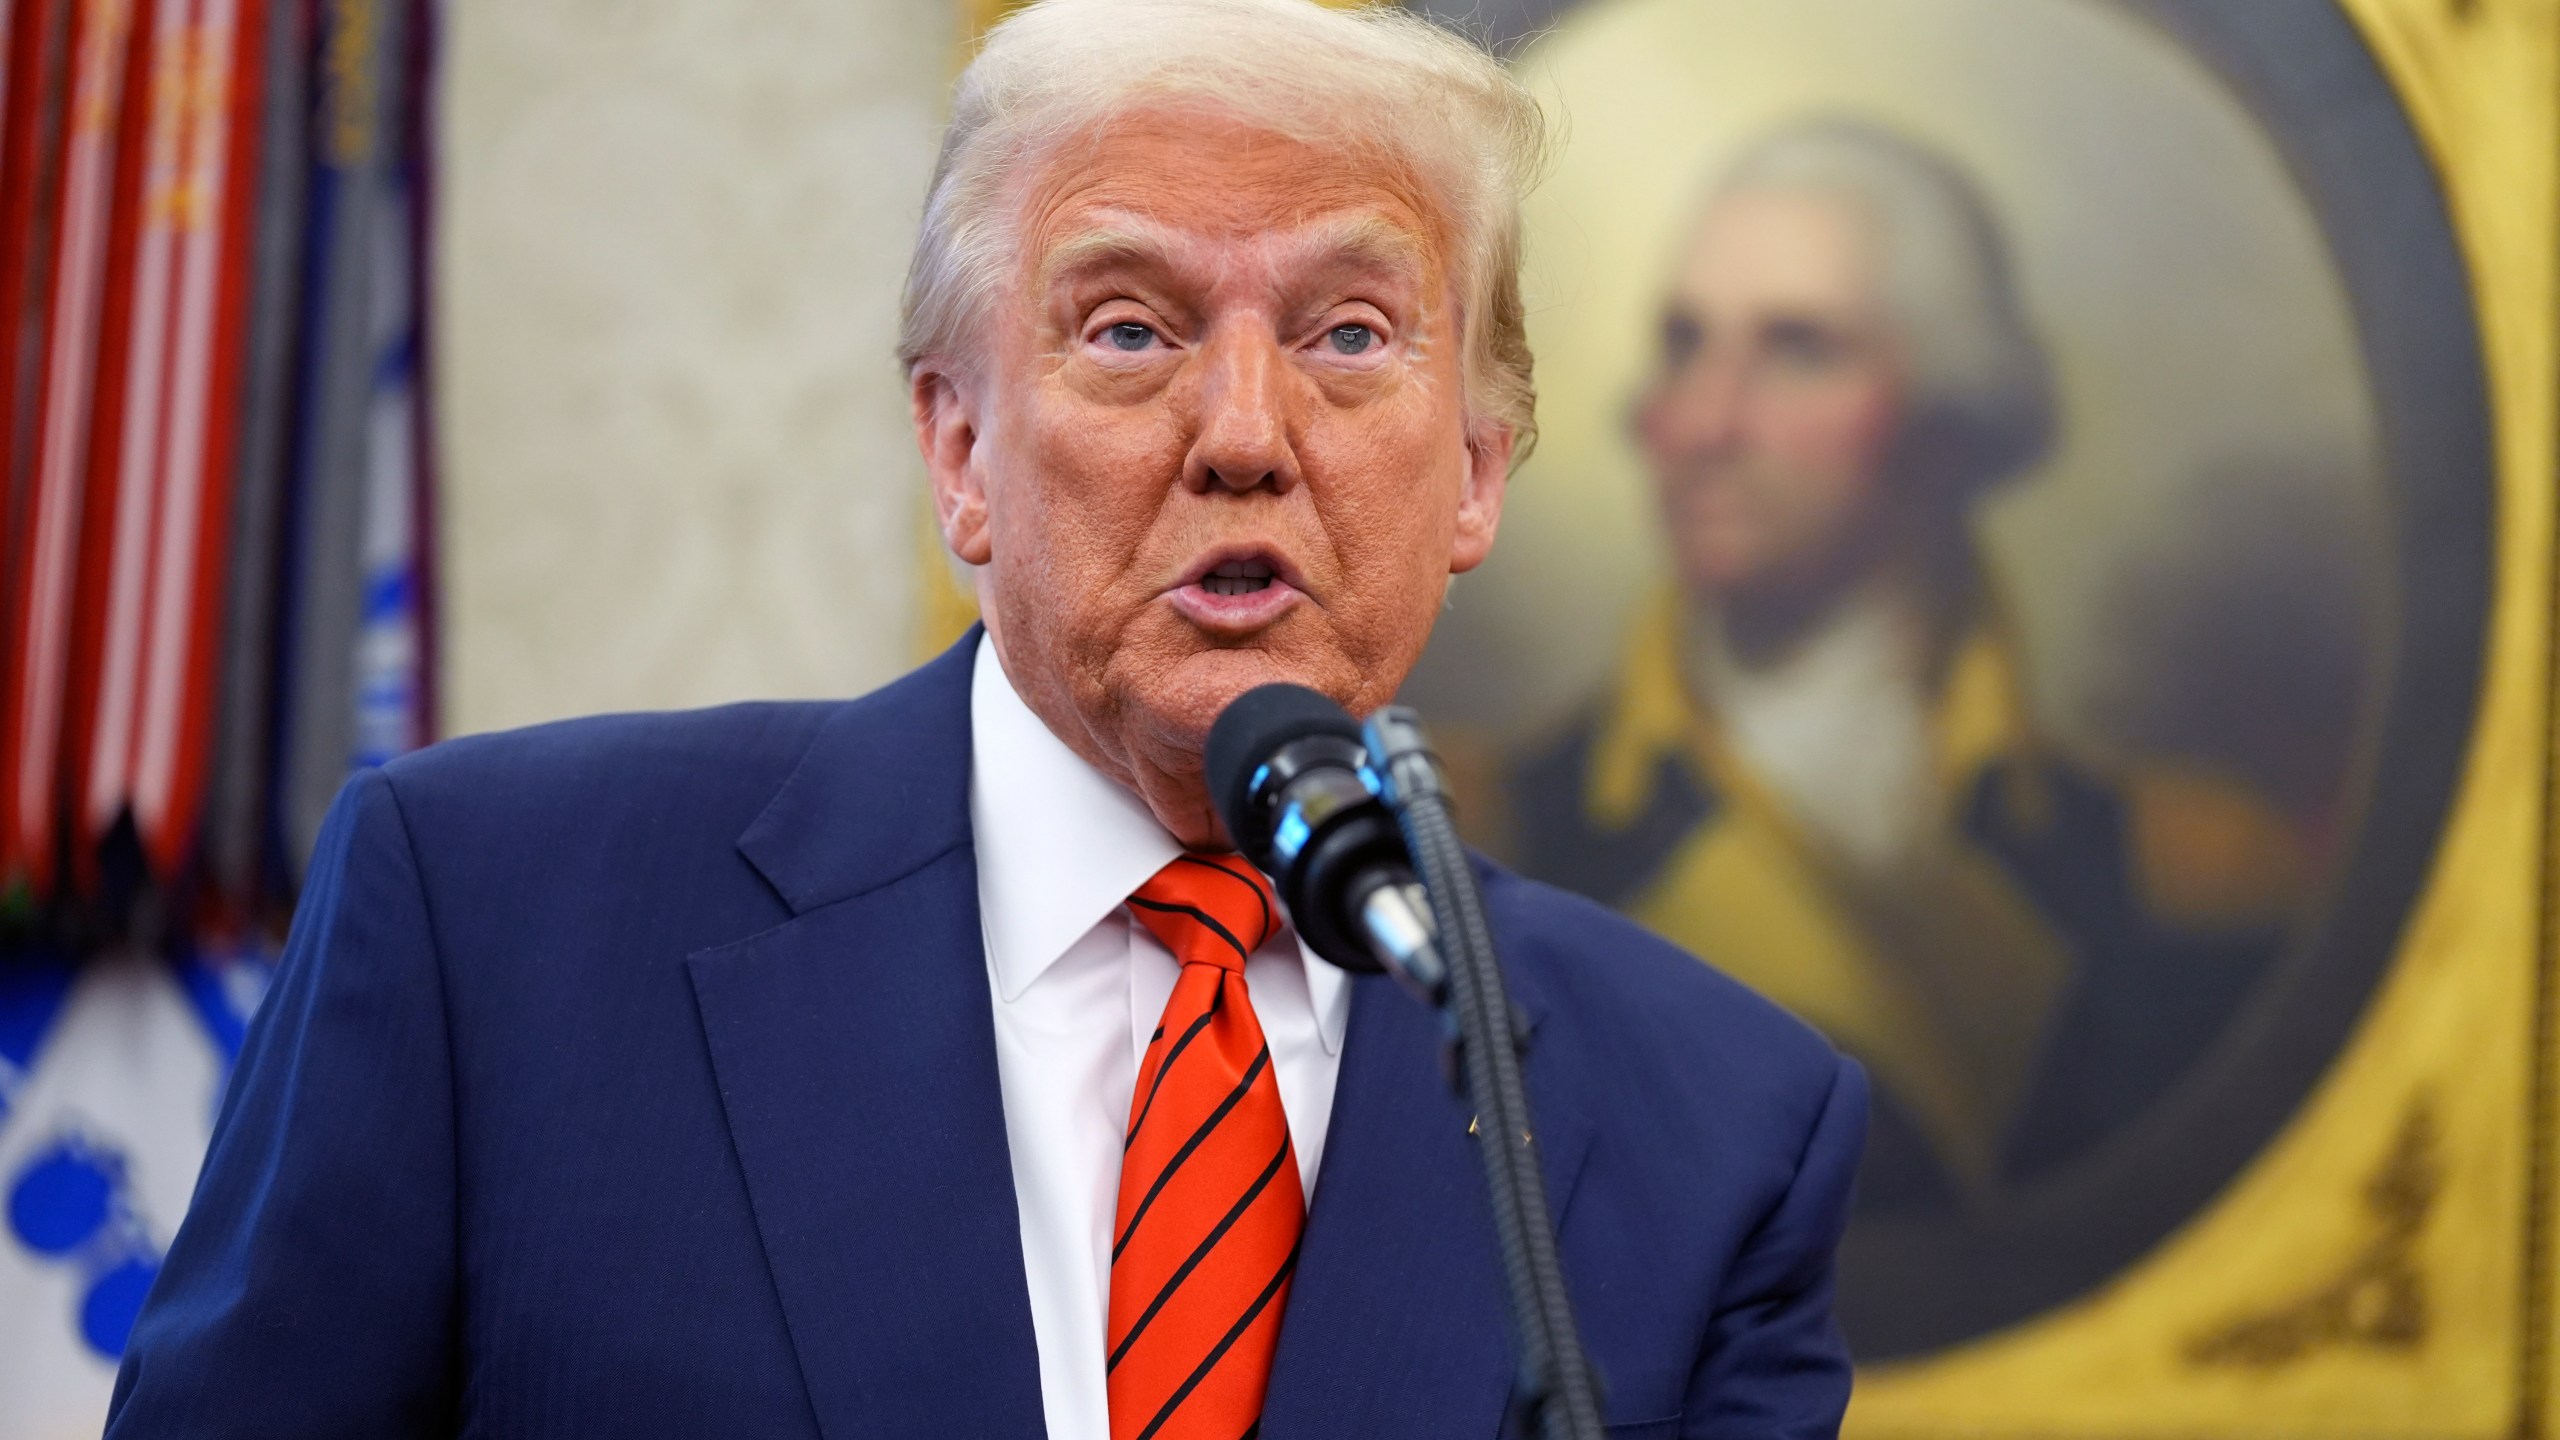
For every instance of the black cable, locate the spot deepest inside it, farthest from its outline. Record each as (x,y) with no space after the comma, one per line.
(1555,1386)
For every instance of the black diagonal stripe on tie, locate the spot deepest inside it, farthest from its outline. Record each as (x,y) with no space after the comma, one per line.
(1225,1343)
(1203,916)
(1234,1213)
(1252,1072)
(1217,998)
(1259,898)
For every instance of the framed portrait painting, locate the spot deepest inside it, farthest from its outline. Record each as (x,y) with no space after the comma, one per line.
(2012,570)
(2039,558)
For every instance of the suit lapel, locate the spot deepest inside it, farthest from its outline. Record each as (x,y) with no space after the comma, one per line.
(855,1053)
(1397,1322)
(855,1056)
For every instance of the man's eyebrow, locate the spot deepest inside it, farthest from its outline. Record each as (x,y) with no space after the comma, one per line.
(1365,241)
(1097,250)
(1100,249)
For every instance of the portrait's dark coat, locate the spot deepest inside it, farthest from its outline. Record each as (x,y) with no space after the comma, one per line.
(2145,991)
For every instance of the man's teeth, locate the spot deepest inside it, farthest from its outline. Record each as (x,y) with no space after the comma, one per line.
(1237,577)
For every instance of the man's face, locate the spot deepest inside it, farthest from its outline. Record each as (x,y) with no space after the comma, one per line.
(1216,437)
(1779,392)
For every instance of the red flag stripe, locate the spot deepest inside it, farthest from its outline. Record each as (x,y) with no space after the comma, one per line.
(138,505)
(175,694)
(43,638)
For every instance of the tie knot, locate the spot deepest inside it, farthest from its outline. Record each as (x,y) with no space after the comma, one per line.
(1208,909)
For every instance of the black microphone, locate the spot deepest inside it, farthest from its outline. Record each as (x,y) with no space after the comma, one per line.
(1291,778)
(1327,811)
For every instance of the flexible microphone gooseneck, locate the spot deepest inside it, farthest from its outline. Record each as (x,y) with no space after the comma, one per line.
(1337,818)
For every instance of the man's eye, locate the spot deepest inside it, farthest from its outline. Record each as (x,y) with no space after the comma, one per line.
(1129,335)
(1352,339)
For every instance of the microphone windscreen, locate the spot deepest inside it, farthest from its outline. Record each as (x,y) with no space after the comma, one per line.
(1248,732)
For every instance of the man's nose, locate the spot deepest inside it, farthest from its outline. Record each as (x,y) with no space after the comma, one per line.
(1243,441)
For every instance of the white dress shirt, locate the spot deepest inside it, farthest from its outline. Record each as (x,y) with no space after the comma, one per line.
(1078,989)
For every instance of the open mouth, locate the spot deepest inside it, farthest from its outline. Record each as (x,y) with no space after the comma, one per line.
(1237,590)
(1237,577)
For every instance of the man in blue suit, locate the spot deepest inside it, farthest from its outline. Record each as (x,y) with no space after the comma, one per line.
(922,1065)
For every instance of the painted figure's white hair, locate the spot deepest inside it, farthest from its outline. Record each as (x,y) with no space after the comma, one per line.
(1376,81)
(1981,385)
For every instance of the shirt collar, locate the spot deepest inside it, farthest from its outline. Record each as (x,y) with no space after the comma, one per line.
(1980,715)
(1061,846)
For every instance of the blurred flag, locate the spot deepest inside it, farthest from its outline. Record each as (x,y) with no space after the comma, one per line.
(117,1063)
(236,806)
(33,45)
(352,516)
(38,635)
(216,567)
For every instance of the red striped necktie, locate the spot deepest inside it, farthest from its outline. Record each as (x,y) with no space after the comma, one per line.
(1210,1206)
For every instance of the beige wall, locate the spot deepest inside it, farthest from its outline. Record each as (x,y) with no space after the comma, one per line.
(677,469)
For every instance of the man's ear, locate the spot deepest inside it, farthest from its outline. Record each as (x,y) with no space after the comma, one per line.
(947,432)
(1488,477)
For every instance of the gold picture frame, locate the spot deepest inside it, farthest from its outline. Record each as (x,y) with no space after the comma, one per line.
(2385,1268)
(2390,1265)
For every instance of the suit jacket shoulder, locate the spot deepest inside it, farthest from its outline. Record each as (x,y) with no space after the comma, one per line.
(631,768)
(1724,1137)
(1677,1025)
(694,827)
(537,846)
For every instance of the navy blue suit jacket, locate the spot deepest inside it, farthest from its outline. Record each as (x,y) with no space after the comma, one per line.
(637,1077)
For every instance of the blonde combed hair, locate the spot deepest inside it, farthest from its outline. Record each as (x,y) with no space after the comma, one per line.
(1375,80)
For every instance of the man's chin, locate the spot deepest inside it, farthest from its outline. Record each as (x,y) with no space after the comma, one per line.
(1186,697)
